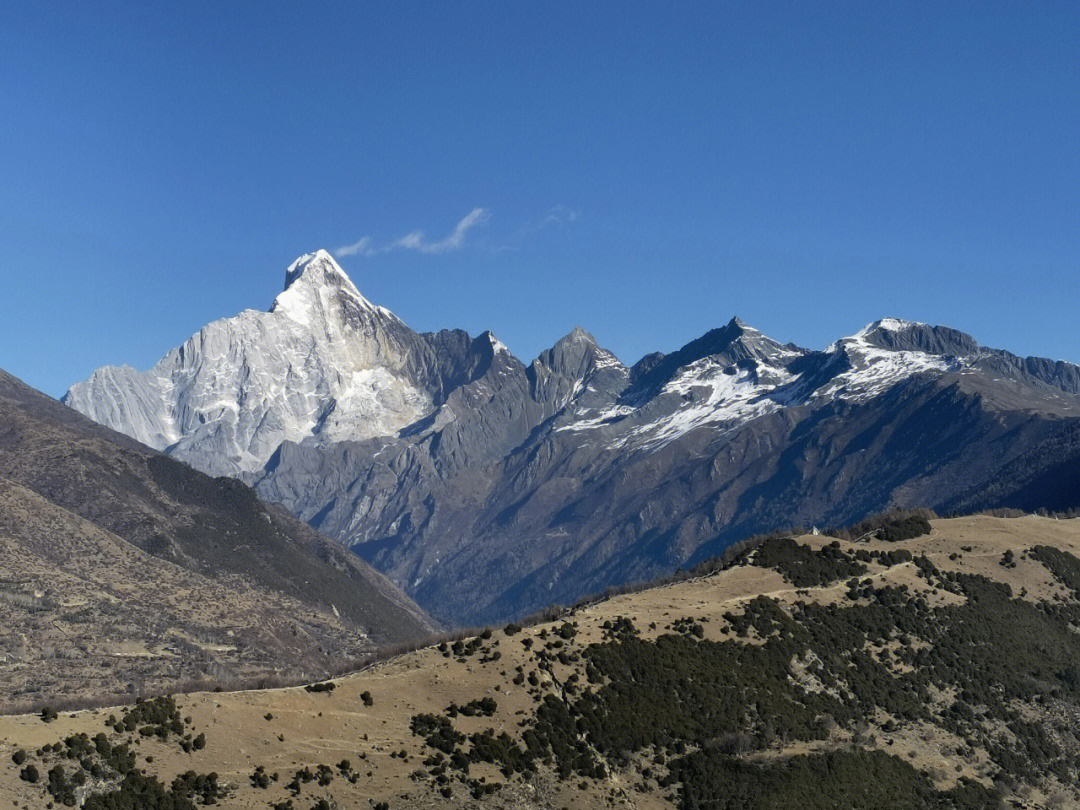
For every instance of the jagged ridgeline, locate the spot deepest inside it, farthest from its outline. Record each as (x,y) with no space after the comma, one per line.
(489,488)
(917,665)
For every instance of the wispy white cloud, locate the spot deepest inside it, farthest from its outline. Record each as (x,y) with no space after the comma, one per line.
(417,241)
(456,240)
(361,247)
(558,216)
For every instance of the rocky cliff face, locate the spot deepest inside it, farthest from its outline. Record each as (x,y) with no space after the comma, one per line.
(488,488)
(323,360)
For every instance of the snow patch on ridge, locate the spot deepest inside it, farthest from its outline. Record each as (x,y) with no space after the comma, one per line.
(874,369)
(890,324)
(711,392)
(725,396)
(497,345)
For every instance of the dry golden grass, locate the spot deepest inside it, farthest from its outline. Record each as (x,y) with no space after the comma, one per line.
(93,615)
(307,729)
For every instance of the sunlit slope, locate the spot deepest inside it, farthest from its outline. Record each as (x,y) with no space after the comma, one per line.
(935,671)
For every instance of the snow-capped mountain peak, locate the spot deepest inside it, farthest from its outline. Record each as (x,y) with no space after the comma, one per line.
(889,351)
(497,346)
(897,335)
(580,335)
(890,325)
(323,363)
(721,348)
(318,268)
(316,287)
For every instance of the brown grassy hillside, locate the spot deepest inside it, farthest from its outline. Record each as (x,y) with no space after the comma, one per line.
(121,569)
(791,685)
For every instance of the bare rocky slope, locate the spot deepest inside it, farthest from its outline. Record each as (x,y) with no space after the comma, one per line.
(917,666)
(122,569)
(488,488)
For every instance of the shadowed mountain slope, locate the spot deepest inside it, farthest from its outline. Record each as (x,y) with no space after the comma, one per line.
(135,559)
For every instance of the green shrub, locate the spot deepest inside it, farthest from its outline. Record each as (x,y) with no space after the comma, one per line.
(906,528)
(856,780)
(803,566)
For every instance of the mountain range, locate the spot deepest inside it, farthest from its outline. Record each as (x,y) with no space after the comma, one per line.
(488,488)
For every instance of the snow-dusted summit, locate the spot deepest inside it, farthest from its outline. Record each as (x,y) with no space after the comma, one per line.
(323,362)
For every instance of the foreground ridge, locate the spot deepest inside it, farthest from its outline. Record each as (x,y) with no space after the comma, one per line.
(921,665)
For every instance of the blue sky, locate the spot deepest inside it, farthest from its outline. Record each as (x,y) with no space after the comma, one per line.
(644,170)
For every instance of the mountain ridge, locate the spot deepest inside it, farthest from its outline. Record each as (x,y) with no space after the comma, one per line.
(487,487)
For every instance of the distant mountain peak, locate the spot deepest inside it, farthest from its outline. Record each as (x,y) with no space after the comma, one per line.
(575,352)
(734,342)
(314,283)
(318,268)
(736,331)
(577,335)
(574,366)
(895,334)
(891,325)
